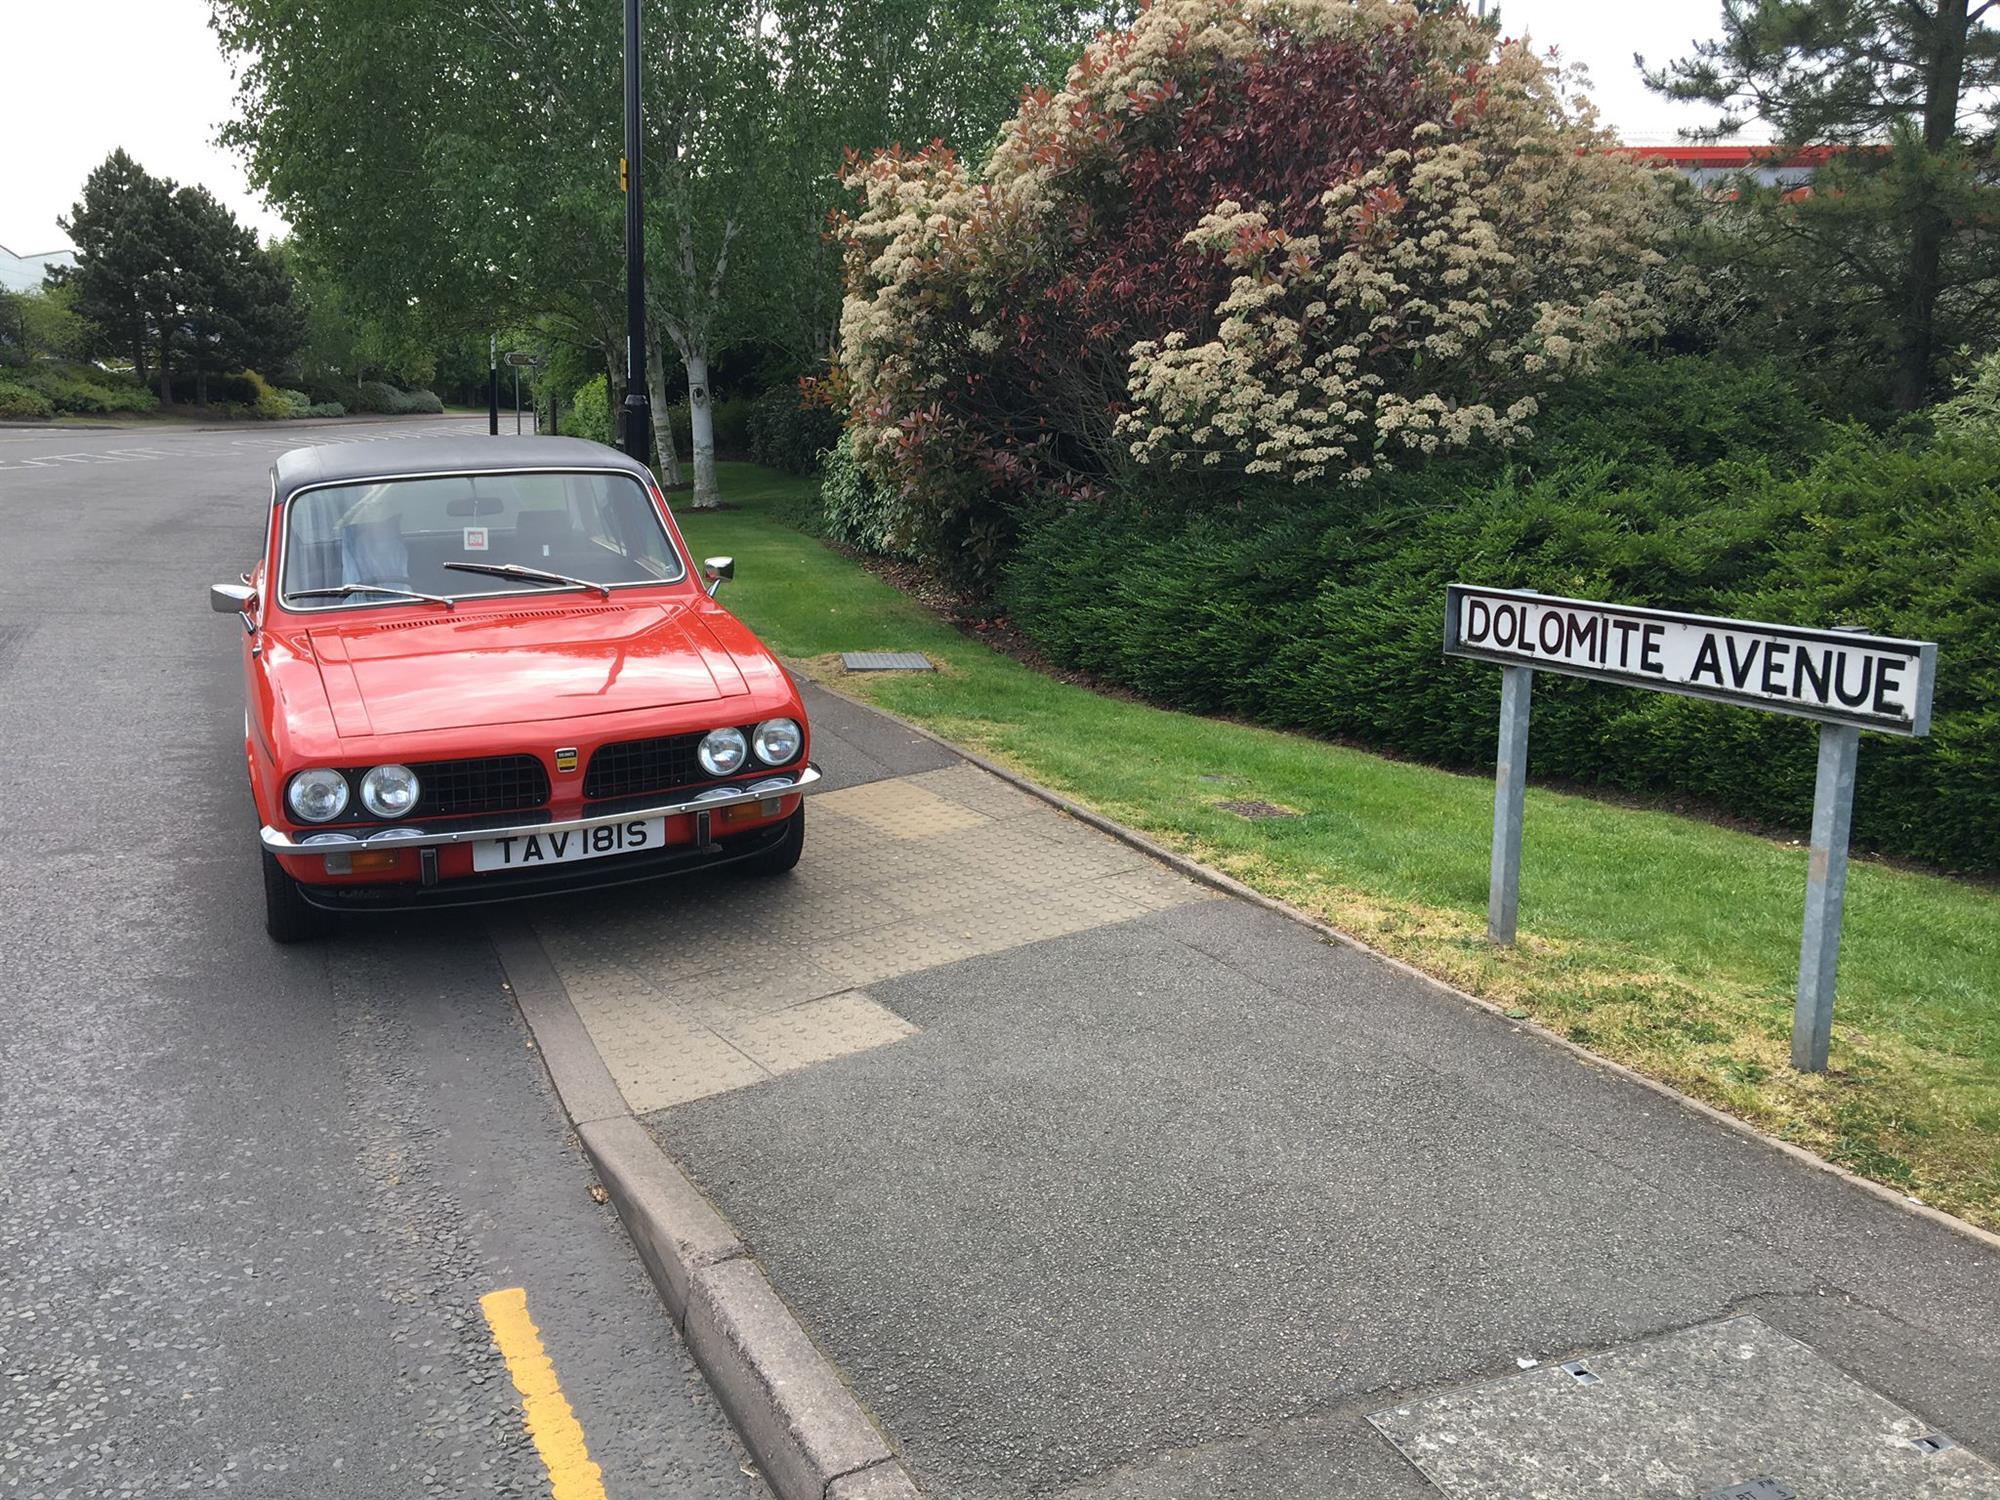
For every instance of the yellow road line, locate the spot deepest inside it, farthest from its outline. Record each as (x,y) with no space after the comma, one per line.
(558,1435)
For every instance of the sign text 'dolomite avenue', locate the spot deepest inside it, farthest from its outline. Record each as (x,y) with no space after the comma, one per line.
(1869,681)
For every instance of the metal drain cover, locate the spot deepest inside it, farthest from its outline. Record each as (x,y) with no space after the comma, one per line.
(886,661)
(1727,1411)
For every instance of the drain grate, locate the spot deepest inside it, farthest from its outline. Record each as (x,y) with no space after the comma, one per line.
(886,661)
(1257,812)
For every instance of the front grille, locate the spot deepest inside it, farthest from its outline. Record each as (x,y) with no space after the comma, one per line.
(496,783)
(450,788)
(633,766)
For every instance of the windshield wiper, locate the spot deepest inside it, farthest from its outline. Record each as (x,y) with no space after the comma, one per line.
(342,590)
(530,575)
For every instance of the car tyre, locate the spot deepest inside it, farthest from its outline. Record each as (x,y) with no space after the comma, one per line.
(288,916)
(782,855)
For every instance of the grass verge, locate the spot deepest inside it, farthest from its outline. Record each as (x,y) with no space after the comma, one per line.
(1663,942)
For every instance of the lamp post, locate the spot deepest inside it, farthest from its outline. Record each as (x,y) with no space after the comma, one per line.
(638,425)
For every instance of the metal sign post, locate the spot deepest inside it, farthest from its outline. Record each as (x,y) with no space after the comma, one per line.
(1510,787)
(1845,679)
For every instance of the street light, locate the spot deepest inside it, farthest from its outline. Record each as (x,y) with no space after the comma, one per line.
(638,409)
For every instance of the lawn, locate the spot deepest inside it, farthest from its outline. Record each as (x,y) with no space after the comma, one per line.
(1664,942)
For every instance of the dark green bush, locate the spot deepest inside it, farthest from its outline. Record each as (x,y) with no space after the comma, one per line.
(790,434)
(1325,612)
(20,404)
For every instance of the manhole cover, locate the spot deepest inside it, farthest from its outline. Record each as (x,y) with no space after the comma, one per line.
(886,661)
(1255,811)
(1727,1411)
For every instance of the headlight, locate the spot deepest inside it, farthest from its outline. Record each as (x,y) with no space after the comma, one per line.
(777,741)
(317,796)
(723,751)
(389,791)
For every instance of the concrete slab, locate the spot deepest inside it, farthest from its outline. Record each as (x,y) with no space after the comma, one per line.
(1730,1409)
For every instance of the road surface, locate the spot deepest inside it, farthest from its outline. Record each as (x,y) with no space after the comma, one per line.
(252,1197)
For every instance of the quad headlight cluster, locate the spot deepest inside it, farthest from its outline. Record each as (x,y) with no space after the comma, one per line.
(775,742)
(320,796)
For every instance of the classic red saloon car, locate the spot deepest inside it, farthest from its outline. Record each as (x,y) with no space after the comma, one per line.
(485,668)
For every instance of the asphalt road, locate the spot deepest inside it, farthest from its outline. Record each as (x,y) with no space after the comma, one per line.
(250,1197)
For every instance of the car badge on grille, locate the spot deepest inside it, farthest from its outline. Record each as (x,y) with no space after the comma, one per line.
(566,759)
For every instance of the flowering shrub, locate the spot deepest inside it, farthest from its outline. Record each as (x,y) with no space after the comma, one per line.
(1294,238)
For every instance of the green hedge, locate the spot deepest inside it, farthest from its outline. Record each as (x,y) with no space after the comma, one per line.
(790,434)
(80,389)
(1680,485)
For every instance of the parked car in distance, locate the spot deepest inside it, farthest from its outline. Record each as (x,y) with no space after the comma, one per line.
(478,669)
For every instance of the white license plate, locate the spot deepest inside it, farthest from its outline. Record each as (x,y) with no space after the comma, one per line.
(528,851)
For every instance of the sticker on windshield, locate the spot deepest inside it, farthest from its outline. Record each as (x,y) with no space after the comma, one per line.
(475,539)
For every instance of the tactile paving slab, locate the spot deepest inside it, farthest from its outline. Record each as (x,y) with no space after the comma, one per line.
(726,983)
(1731,1409)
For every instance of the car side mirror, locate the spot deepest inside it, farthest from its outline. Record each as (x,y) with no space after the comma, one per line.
(231,598)
(718,571)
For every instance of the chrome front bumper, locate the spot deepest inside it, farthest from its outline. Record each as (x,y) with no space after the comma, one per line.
(716,798)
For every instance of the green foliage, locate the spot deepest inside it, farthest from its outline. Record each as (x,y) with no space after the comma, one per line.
(1323,613)
(82,390)
(379,396)
(1870,279)
(588,414)
(1974,409)
(42,325)
(167,275)
(267,404)
(325,409)
(851,512)
(20,404)
(790,433)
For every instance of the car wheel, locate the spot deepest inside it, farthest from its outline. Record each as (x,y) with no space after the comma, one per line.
(288,916)
(782,855)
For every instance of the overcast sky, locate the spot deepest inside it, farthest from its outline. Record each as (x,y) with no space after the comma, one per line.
(85,76)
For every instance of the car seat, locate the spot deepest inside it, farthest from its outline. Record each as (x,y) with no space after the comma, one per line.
(542,537)
(373,552)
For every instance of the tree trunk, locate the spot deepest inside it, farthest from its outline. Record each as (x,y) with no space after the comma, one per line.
(614,387)
(701,421)
(663,415)
(1918,334)
(201,387)
(166,378)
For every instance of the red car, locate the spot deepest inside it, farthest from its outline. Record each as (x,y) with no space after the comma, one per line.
(485,668)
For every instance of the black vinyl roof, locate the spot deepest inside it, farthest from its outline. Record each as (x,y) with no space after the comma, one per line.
(401,458)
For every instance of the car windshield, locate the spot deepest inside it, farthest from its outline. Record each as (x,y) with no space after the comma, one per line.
(401,533)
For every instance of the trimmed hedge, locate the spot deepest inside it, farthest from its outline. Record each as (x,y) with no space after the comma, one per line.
(1681,485)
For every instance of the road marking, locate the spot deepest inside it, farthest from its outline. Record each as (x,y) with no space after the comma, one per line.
(550,1421)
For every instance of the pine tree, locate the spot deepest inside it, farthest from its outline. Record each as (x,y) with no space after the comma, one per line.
(1894,238)
(125,280)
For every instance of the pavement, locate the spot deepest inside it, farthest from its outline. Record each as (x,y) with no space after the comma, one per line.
(1087,1180)
(253,1197)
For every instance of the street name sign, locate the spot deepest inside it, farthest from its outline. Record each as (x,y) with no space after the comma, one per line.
(1847,680)
(1836,676)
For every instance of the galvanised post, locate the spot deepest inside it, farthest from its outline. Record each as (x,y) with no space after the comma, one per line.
(1826,892)
(1510,782)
